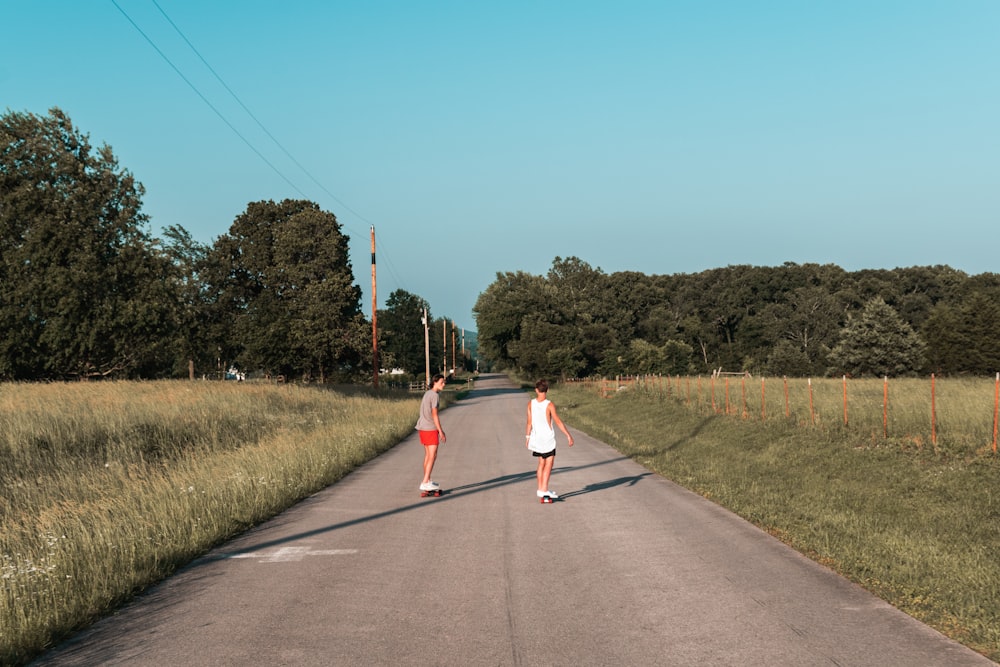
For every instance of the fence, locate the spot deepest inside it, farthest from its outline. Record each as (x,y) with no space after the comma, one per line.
(419,386)
(964,412)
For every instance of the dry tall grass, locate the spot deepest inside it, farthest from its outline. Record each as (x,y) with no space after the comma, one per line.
(108,487)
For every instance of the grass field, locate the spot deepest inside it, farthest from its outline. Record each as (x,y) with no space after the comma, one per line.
(953,417)
(916,523)
(109,487)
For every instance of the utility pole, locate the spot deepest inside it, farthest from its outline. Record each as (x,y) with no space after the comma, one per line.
(444,346)
(454,362)
(427,352)
(374,316)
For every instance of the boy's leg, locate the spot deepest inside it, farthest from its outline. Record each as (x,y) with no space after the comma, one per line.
(430,455)
(545,471)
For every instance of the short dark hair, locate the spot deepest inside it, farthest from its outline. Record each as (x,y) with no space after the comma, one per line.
(542,386)
(437,376)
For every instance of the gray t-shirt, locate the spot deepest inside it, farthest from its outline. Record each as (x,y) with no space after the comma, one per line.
(428,404)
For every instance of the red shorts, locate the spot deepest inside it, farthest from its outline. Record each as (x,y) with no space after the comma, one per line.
(428,437)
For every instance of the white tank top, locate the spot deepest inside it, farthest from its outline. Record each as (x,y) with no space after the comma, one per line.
(543,437)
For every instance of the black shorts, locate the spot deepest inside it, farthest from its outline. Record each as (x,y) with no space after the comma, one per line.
(544,455)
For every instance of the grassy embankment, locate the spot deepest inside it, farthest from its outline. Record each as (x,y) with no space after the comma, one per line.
(916,523)
(109,487)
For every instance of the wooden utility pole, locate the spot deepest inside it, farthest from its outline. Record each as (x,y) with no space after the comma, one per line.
(374,317)
(444,346)
(454,362)
(427,352)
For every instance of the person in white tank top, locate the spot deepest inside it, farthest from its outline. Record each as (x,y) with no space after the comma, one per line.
(540,436)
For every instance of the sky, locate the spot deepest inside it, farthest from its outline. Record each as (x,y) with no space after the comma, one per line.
(664,137)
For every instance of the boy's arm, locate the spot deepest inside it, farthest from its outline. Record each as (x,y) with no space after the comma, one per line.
(559,423)
(437,423)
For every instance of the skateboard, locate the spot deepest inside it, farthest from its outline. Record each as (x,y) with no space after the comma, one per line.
(546,500)
(435,492)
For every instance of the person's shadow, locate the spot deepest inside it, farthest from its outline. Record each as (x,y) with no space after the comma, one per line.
(600,486)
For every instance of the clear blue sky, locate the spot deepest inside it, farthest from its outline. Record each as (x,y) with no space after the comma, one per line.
(662,137)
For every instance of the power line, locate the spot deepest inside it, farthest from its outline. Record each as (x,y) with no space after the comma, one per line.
(205,100)
(255,119)
(218,113)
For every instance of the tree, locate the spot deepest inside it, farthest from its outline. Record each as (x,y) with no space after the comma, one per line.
(879,343)
(401,331)
(644,358)
(545,349)
(82,291)
(187,259)
(964,337)
(801,328)
(284,277)
(500,311)
(787,358)
(778,319)
(677,357)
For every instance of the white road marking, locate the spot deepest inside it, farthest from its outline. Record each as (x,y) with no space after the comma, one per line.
(290,554)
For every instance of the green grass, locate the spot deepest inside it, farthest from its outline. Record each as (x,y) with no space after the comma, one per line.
(917,525)
(954,417)
(109,487)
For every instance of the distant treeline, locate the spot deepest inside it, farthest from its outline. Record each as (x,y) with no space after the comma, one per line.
(794,319)
(87,292)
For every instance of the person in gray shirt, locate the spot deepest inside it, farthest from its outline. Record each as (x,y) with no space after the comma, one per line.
(431,433)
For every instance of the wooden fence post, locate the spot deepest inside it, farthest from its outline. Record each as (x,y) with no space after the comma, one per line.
(845,400)
(996,410)
(885,407)
(788,409)
(933,412)
(812,412)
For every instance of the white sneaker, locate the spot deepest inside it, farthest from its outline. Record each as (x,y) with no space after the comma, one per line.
(430,486)
(552,494)
(541,494)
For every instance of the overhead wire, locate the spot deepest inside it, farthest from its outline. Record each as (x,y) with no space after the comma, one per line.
(222,117)
(206,101)
(252,116)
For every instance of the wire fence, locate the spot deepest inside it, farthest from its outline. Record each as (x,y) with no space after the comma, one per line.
(951,415)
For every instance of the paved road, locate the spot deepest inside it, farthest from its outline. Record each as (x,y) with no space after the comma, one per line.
(628,569)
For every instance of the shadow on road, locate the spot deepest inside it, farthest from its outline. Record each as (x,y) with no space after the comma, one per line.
(601,486)
(449,495)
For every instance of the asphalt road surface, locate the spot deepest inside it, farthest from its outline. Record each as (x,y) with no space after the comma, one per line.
(626,569)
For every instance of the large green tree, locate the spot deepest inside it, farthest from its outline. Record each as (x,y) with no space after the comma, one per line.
(284,278)
(500,311)
(878,342)
(779,320)
(195,330)
(401,331)
(81,288)
(962,336)
(800,328)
